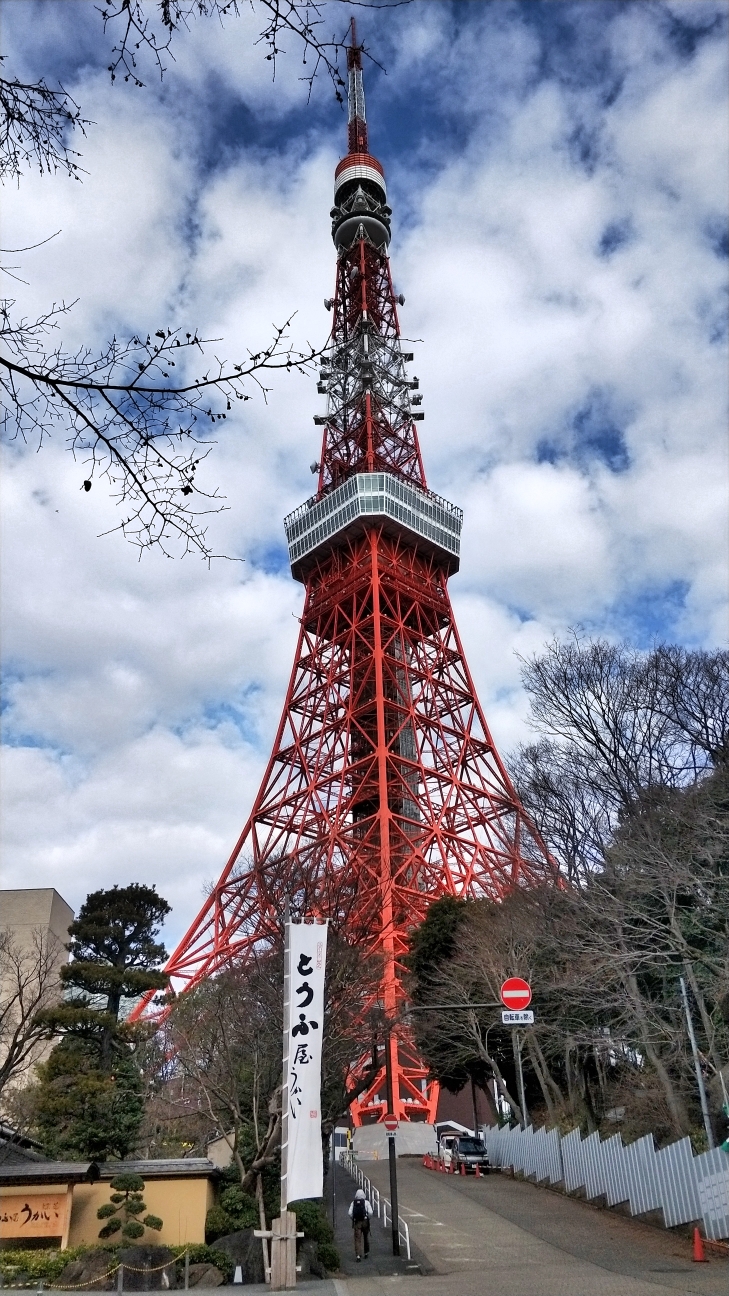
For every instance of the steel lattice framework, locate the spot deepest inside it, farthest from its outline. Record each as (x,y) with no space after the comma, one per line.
(384,790)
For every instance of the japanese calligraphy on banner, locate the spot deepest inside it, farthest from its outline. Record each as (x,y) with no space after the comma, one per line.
(301,1163)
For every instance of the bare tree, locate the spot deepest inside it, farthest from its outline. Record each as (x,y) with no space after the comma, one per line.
(35,121)
(149,29)
(120,409)
(129,422)
(29,983)
(225,1038)
(614,723)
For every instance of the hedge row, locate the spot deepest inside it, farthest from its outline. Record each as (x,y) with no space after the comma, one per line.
(48,1264)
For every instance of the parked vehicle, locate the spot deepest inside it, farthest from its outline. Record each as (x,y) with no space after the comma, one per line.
(445,1148)
(458,1150)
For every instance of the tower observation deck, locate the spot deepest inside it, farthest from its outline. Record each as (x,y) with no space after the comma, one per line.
(384,790)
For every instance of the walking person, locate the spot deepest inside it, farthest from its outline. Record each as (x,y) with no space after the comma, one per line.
(359,1213)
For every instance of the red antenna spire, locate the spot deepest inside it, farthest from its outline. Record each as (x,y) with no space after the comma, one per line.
(357,121)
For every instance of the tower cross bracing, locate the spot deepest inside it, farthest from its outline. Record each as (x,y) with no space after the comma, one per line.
(384,790)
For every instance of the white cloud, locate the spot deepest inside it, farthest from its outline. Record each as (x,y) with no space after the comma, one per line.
(142,697)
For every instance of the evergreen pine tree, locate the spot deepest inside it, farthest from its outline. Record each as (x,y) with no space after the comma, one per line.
(89,1101)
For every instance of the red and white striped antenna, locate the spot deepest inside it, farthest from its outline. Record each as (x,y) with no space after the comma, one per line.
(357,119)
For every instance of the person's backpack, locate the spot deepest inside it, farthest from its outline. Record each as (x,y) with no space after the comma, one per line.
(359,1211)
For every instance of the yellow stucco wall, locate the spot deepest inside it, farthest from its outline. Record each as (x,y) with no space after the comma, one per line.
(182,1204)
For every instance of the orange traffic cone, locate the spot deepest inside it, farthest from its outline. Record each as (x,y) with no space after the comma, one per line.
(478,1171)
(463,1169)
(698,1255)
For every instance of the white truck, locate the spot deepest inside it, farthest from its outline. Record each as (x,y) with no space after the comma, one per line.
(458,1150)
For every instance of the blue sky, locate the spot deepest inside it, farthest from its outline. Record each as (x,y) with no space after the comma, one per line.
(557,173)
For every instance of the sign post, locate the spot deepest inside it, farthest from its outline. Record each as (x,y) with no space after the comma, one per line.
(391,1124)
(516,995)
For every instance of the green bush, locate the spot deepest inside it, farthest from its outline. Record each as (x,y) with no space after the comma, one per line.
(329,1256)
(241,1208)
(46,1265)
(311,1217)
(217,1224)
(236,1210)
(200,1254)
(38,1266)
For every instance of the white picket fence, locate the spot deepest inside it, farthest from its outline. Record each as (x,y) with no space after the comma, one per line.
(687,1188)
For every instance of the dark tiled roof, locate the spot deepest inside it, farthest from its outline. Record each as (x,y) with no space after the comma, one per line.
(172,1168)
(17,1148)
(56,1172)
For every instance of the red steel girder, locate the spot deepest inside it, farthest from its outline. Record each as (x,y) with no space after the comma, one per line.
(383,791)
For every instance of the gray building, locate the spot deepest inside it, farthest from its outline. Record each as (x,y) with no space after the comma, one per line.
(33,937)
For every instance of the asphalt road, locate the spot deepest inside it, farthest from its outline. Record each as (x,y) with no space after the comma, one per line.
(501,1237)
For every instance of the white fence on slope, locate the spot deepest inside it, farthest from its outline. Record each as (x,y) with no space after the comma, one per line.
(687,1188)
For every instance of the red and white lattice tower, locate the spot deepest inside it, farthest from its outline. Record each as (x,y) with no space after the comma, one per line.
(384,790)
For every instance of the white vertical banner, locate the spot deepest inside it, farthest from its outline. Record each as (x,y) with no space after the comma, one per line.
(302,1169)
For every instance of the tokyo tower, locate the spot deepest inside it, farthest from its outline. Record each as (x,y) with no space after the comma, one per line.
(384,790)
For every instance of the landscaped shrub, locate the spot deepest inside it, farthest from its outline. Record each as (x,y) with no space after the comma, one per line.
(329,1256)
(312,1218)
(125,1205)
(200,1254)
(38,1266)
(234,1211)
(217,1224)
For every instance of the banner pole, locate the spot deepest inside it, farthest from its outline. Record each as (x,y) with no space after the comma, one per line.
(285,1086)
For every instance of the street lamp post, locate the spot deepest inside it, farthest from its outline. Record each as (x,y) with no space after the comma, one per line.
(697,1066)
(391,1142)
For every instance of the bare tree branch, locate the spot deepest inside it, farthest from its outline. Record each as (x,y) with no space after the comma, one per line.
(29,983)
(34,122)
(128,421)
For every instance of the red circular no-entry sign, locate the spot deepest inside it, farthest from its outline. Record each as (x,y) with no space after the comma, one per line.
(516,993)
(391,1123)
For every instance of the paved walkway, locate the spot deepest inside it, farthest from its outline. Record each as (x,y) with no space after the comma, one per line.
(500,1237)
(381,1260)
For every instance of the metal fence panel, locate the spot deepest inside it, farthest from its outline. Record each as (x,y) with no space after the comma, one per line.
(572,1161)
(617,1188)
(642,1180)
(684,1187)
(712,1175)
(676,1170)
(593,1171)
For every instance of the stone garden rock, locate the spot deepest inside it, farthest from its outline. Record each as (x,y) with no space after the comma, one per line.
(205,1275)
(245,1250)
(307,1256)
(143,1269)
(86,1272)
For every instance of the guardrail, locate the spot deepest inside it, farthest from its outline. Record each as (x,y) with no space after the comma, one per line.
(381,1206)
